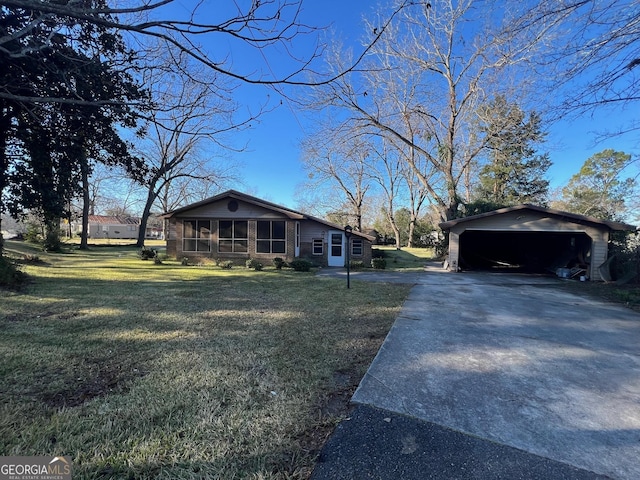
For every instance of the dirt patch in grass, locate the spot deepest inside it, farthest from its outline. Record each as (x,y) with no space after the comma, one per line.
(103,377)
(329,410)
(334,405)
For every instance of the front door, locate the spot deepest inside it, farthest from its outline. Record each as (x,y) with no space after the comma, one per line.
(336,248)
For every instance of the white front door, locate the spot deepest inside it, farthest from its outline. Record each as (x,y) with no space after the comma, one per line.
(336,248)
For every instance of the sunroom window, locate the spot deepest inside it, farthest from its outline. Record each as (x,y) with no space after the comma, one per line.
(271,236)
(233,236)
(196,236)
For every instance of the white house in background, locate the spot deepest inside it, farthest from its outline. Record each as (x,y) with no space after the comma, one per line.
(103,226)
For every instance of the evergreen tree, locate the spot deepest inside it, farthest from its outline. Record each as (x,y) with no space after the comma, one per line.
(64,95)
(515,172)
(599,189)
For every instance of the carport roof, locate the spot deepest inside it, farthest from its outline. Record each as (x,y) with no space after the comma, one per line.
(572,217)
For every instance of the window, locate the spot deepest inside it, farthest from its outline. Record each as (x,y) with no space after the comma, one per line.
(233,236)
(318,246)
(271,236)
(356,247)
(196,236)
(336,244)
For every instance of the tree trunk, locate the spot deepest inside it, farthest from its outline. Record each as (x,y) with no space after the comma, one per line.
(5,122)
(86,202)
(151,197)
(394,227)
(412,227)
(51,233)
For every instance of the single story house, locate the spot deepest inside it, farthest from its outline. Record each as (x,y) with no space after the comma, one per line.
(106,226)
(531,239)
(236,226)
(119,227)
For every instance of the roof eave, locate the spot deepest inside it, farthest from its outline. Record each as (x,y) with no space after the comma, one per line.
(617,226)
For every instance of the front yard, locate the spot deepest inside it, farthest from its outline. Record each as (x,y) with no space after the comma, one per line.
(138,370)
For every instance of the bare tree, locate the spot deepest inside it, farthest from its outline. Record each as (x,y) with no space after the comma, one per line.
(190,123)
(597,57)
(260,28)
(450,57)
(339,159)
(386,171)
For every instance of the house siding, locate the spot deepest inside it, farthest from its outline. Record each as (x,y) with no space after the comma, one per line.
(221,208)
(113,231)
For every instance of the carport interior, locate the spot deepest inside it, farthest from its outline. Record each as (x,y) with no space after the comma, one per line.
(527,252)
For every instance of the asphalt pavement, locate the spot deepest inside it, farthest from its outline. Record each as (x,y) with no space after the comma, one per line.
(492,376)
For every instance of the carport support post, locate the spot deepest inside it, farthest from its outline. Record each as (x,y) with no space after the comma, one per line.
(347,233)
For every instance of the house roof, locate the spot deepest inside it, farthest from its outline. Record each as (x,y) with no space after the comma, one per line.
(292,214)
(572,217)
(112,220)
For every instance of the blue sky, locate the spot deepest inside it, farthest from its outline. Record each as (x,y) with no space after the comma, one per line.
(270,167)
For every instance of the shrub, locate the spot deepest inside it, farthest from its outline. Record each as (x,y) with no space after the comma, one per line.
(301,265)
(147,253)
(253,263)
(378,253)
(356,265)
(51,242)
(278,262)
(10,276)
(379,263)
(33,234)
(157,260)
(185,261)
(225,264)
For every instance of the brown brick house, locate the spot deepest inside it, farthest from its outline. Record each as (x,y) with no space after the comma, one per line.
(236,226)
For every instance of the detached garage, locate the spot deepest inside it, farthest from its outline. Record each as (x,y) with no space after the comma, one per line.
(531,239)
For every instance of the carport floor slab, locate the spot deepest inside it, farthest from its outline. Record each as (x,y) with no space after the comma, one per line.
(528,366)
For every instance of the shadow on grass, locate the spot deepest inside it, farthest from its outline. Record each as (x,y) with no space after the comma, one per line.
(168,362)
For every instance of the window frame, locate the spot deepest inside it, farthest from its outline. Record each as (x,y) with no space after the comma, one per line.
(262,240)
(317,242)
(198,239)
(355,241)
(239,244)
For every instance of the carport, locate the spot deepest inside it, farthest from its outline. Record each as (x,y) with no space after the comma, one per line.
(530,239)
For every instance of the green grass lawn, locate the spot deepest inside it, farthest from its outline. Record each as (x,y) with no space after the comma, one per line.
(138,370)
(406,259)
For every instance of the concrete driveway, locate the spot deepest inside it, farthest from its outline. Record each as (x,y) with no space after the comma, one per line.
(517,361)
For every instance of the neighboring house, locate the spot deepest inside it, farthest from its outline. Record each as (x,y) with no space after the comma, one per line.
(106,226)
(531,239)
(154,228)
(103,226)
(236,226)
